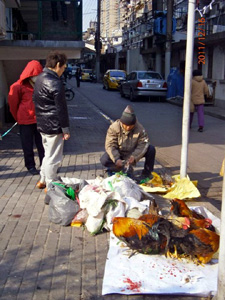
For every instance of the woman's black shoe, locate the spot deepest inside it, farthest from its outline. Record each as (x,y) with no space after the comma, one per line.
(33,171)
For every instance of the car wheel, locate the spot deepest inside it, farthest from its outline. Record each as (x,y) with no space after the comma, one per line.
(132,97)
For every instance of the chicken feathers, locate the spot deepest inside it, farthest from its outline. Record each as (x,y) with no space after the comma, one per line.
(200,244)
(139,235)
(180,209)
(182,233)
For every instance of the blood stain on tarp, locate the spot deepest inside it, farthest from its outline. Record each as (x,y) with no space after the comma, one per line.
(133,286)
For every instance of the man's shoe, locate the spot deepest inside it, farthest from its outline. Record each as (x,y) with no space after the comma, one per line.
(200,129)
(144,177)
(33,171)
(41,185)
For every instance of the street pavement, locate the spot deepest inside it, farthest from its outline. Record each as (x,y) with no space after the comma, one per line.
(40,260)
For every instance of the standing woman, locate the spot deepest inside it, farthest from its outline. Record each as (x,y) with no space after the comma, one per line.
(23,111)
(198,92)
(52,115)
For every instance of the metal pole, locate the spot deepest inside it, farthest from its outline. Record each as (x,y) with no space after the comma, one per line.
(221,273)
(187,89)
(169,25)
(98,50)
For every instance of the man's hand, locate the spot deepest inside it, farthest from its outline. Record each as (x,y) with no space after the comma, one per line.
(131,160)
(119,163)
(66,136)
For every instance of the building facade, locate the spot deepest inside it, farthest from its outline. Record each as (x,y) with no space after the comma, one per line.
(145,37)
(29,30)
(111,24)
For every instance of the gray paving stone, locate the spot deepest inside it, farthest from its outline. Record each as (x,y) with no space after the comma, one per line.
(40,260)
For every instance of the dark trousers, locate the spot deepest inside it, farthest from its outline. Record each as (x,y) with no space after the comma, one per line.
(148,166)
(78,81)
(29,134)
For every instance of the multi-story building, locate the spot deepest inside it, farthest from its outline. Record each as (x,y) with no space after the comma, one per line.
(89,53)
(111,24)
(209,46)
(145,37)
(29,29)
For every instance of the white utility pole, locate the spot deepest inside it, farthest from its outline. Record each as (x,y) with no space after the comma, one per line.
(97,41)
(187,87)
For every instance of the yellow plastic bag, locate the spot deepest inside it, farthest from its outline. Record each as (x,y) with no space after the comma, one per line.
(156,185)
(183,189)
(222,169)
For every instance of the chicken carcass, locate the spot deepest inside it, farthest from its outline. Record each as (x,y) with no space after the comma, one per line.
(199,244)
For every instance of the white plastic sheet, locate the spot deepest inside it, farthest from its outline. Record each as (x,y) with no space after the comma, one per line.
(156,274)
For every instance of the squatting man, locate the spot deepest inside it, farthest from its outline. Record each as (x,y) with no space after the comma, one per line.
(127,142)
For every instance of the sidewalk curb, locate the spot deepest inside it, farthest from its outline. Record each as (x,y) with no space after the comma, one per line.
(207,109)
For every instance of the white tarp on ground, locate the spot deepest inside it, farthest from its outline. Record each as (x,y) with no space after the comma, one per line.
(156,274)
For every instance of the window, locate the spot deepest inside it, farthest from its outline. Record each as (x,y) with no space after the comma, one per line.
(117,74)
(149,75)
(133,76)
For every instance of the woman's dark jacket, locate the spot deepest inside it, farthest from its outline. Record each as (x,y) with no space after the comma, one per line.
(50,103)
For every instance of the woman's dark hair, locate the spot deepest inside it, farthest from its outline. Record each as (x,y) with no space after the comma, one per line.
(197,73)
(55,57)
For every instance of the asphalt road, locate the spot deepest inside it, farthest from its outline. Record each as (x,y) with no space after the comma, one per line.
(163,122)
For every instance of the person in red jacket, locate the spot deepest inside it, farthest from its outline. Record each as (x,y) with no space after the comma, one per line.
(23,111)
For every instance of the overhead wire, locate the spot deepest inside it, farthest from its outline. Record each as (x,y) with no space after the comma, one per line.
(88,7)
(206,8)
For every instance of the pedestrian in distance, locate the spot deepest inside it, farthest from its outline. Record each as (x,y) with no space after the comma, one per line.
(52,115)
(78,75)
(23,111)
(126,143)
(199,90)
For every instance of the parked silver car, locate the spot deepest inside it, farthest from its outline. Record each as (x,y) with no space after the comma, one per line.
(143,83)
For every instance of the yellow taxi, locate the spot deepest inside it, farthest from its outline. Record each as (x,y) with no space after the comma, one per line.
(86,74)
(113,78)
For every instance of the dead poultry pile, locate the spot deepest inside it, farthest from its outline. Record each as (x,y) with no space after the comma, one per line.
(182,233)
(118,204)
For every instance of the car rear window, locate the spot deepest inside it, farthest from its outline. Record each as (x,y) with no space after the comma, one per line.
(117,74)
(87,71)
(149,75)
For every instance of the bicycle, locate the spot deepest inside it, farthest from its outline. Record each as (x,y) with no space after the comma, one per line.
(69,93)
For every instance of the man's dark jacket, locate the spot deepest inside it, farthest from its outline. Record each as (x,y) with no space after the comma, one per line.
(50,103)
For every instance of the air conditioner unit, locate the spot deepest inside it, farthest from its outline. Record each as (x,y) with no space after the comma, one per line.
(2,20)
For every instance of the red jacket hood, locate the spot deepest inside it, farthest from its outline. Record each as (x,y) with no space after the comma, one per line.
(33,68)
